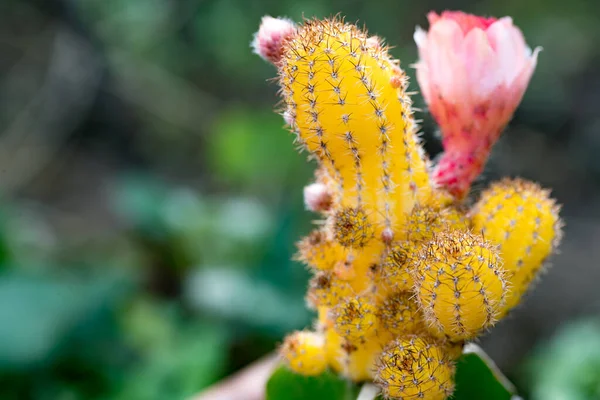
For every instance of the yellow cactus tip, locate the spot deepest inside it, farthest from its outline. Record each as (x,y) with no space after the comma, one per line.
(523,220)
(415,368)
(355,319)
(351,227)
(304,353)
(459,284)
(345,99)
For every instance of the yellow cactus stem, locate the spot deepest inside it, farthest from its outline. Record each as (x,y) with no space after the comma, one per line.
(351,227)
(523,220)
(459,284)
(346,101)
(334,349)
(425,222)
(399,314)
(355,361)
(415,368)
(304,353)
(319,251)
(355,319)
(361,261)
(326,290)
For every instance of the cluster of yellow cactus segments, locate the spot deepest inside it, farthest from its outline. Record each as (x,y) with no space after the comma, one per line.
(403,275)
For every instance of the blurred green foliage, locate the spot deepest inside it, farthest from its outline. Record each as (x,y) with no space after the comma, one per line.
(153,325)
(566,366)
(149,256)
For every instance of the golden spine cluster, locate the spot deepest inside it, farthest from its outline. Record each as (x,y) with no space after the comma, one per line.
(402,276)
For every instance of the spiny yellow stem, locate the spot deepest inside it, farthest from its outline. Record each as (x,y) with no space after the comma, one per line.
(523,220)
(347,102)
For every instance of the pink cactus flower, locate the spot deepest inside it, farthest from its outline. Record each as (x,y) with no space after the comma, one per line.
(473,72)
(272,33)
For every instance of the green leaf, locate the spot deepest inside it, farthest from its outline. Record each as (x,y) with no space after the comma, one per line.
(477,377)
(286,385)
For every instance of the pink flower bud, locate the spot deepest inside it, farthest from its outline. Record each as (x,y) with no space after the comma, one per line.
(317,197)
(272,33)
(473,72)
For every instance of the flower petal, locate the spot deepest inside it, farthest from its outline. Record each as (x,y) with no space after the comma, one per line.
(482,64)
(510,47)
(446,68)
(420,37)
(519,85)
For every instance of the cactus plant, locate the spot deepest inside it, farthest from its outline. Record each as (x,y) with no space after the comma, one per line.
(404,272)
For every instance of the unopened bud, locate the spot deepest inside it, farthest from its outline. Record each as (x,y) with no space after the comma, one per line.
(272,33)
(317,197)
(387,236)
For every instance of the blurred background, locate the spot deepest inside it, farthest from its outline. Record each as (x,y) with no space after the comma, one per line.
(150,198)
